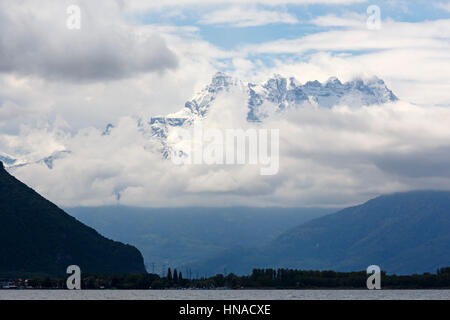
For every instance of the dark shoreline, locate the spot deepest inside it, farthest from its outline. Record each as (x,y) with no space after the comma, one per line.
(260,279)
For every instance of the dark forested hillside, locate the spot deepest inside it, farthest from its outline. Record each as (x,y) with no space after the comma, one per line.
(36,237)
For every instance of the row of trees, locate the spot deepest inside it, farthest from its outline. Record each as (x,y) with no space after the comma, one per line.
(260,278)
(176,278)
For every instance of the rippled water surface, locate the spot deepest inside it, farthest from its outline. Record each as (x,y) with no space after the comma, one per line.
(225,295)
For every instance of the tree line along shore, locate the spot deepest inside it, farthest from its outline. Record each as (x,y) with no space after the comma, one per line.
(258,279)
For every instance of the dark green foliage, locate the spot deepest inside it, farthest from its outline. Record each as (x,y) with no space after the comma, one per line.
(169,275)
(260,278)
(36,237)
(444,271)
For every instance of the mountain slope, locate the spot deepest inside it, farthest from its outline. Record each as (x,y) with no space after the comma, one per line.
(36,237)
(403,233)
(179,236)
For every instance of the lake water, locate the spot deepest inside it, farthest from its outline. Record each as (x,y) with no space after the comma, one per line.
(225,295)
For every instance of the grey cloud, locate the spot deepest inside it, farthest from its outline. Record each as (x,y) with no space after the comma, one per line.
(418,164)
(31,44)
(328,157)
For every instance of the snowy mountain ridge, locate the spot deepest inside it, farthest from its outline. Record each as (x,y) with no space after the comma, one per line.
(283,93)
(279,93)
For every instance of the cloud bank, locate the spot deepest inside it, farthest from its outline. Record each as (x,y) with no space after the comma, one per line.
(60,88)
(329,157)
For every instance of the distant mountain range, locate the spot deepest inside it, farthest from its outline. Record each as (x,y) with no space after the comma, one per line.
(180,236)
(273,96)
(263,99)
(403,233)
(38,238)
(283,93)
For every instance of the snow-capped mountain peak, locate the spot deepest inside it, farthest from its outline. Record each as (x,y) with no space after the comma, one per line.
(280,93)
(200,103)
(283,93)
(289,93)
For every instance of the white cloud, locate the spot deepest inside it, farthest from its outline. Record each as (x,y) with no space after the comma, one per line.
(137,5)
(350,20)
(442,5)
(393,35)
(239,16)
(332,157)
(413,58)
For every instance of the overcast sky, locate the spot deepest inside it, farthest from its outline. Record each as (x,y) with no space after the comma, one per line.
(134,59)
